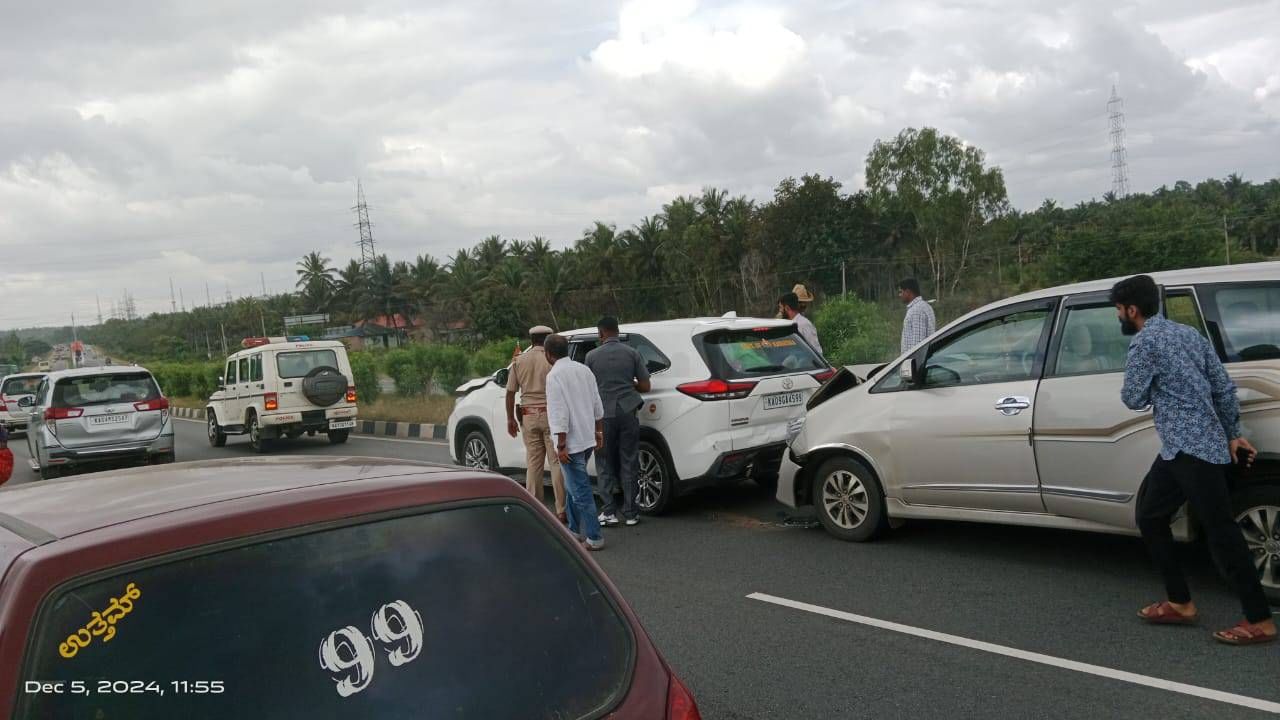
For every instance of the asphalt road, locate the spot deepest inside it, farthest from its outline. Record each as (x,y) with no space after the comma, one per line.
(1070,597)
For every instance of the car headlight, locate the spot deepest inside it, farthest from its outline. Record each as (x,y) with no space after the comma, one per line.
(794,426)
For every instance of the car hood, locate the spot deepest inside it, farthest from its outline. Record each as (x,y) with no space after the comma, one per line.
(470,385)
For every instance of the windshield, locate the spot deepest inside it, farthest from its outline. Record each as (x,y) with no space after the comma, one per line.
(104,390)
(757,353)
(21,385)
(298,364)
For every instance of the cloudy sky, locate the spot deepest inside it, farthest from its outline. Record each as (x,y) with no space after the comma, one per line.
(219,141)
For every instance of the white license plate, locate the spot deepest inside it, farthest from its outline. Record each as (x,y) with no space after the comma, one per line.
(108,419)
(781,400)
(341,424)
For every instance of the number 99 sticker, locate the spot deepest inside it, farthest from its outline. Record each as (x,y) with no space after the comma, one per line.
(350,655)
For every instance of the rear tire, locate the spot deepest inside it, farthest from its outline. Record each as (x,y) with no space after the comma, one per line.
(849,500)
(338,437)
(1251,506)
(477,451)
(257,442)
(655,480)
(217,438)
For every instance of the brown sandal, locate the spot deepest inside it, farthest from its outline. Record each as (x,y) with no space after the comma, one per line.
(1162,613)
(1246,633)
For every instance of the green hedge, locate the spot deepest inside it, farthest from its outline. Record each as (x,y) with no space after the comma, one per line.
(853,331)
(365,369)
(492,357)
(186,379)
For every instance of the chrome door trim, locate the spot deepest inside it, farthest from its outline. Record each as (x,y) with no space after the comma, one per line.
(1087,494)
(976,488)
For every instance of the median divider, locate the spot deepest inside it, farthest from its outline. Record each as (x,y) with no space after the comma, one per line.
(371,428)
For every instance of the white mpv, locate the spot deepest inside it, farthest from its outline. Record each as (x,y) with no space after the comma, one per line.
(724,393)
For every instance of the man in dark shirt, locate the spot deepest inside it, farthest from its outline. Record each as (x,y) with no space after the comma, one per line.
(1176,371)
(622,375)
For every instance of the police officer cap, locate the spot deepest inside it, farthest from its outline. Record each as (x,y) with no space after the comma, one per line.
(540,330)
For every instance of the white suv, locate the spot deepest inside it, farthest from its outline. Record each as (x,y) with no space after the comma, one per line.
(725,391)
(278,387)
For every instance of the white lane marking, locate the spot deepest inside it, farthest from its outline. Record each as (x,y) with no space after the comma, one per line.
(356,437)
(1098,670)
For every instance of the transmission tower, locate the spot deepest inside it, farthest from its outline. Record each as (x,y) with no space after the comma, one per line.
(98,299)
(1119,157)
(173,300)
(366,228)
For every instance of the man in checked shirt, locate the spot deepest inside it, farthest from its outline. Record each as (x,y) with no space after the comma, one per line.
(920,322)
(1176,372)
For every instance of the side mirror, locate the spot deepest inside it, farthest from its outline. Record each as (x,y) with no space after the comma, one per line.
(502,376)
(27,401)
(911,370)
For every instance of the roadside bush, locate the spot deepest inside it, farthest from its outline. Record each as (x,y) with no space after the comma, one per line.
(365,370)
(405,366)
(445,366)
(492,357)
(854,331)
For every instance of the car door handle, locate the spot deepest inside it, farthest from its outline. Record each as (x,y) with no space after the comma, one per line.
(1013,404)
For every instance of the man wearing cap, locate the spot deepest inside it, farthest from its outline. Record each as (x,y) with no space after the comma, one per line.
(528,376)
(789,308)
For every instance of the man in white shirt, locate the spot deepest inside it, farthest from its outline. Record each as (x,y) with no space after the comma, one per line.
(576,416)
(919,322)
(789,306)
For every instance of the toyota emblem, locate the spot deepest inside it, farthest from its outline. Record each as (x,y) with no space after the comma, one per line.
(788,383)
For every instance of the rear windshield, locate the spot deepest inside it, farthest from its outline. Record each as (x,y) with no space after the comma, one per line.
(756,353)
(1250,320)
(21,385)
(104,389)
(298,364)
(471,612)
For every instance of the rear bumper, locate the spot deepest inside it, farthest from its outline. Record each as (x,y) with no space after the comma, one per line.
(733,465)
(788,482)
(308,419)
(107,454)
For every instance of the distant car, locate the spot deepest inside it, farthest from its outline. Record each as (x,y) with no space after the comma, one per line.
(1012,415)
(43,366)
(13,389)
(725,391)
(278,387)
(312,588)
(95,417)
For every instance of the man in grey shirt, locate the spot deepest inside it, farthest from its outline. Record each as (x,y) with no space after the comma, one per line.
(621,375)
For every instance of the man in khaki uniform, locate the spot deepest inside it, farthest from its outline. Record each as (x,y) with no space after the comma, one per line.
(529,378)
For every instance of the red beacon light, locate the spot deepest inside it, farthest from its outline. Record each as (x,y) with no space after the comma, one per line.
(251,342)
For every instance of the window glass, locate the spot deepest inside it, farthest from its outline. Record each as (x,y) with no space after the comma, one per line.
(578,349)
(1092,341)
(21,385)
(244,370)
(1250,320)
(298,364)
(653,357)
(757,353)
(999,350)
(472,612)
(230,378)
(1181,307)
(255,368)
(85,390)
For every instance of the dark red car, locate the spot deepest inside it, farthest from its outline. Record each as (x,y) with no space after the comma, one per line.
(311,588)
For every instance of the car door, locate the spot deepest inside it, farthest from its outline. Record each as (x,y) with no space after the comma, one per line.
(233,408)
(1092,452)
(961,427)
(35,422)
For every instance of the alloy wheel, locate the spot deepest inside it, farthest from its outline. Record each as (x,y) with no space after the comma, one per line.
(1261,528)
(476,454)
(844,499)
(650,480)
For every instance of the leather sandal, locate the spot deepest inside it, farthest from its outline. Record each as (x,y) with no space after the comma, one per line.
(1163,613)
(1246,633)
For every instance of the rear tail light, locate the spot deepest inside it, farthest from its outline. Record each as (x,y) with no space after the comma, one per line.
(152,405)
(717,389)
(680,703)
(60,413)
(825,375)
(271,401)
(351,393)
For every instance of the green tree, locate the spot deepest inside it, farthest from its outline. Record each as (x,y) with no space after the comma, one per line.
(315,280)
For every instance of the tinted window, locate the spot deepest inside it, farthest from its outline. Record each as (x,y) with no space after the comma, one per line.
(756,353)
(244,370)
(1249,320)
(475,612)
(255,368)
(230,379)
(21,386)
(1092,341)
(998,350)
(104,389)
(1180,306)
(298,364)
(579,348)
(653,357)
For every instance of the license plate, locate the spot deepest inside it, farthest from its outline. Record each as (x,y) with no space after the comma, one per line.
(341,424)
(781,400)
(109,419)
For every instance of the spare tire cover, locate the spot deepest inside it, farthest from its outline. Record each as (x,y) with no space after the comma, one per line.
(324,386)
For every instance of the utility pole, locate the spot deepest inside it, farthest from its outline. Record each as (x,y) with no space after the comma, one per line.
(844,285)
(182,301)
(1226,240)
(208,349)
(208,299)
(98,300)
(1119,156)
(75,339)
(367,253)
(263,276)
(223,329)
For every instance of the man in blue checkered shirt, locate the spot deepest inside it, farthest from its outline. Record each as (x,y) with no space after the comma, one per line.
(919,322)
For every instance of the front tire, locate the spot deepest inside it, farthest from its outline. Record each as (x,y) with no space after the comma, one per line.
(1257,512)
(217,438)
(257,442)
(655,480)
(849,500)
(477,451)
(338,437)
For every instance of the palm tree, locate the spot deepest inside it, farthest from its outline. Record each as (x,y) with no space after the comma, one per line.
(315,280)
(539,250)
(491,252)
(349,289)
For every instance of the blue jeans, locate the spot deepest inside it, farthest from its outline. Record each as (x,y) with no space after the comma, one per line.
(581,508)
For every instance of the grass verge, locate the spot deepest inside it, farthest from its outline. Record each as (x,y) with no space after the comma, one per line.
(432,409)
